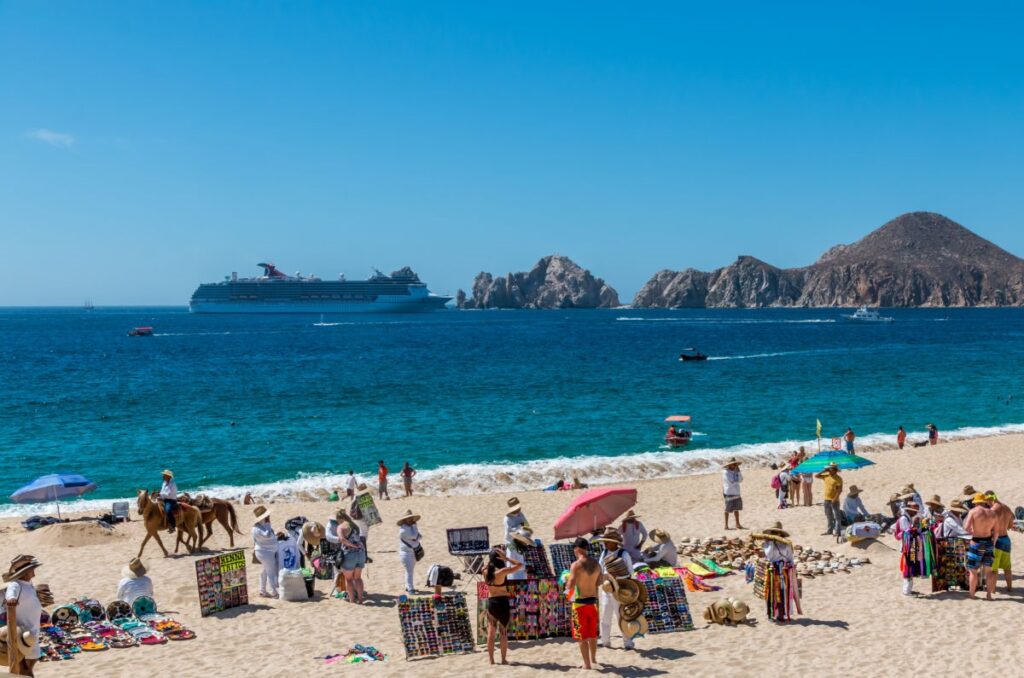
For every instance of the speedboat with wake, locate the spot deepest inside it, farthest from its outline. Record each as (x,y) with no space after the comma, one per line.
(679,433)
(868,315)
(694,356)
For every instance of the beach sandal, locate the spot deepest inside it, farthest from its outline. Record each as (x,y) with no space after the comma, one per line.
(153,640)
(93,647)
(181,634)
(122,643)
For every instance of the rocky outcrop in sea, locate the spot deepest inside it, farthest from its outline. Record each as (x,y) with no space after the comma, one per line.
(555,282)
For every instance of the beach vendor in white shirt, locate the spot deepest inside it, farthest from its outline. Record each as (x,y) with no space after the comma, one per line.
(514,519)
(663,553)
(23,614)
(264,541)
(169,496)
(408,541)
(952,526)
(616,563)
(731,479)
(135,583)
(634,534)
(515,551)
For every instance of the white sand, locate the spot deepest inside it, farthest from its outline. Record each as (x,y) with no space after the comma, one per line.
(855,623)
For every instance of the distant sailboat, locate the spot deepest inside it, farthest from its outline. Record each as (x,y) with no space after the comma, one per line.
(88,305)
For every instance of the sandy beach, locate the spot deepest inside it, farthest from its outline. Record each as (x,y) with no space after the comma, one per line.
(854,622)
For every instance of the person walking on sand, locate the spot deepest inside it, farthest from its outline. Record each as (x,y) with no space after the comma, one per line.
(499,609)
(849,437)
(407,475)
(981,523)
(901,437)
(382,481)
(731,480)
(408,543)
(169,495)
(351,484)
(933,434)
(833,490)
(1001,557)
(264,542)
(581,589)
(24,611)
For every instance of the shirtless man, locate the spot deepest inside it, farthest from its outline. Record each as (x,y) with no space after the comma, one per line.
(981,523)
(583,576)
(1004,521)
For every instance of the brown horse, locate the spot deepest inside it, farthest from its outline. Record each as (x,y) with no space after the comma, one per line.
(214,509)
(152,512)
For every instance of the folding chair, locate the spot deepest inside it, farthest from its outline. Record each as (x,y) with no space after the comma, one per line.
(471,546)
(120,511)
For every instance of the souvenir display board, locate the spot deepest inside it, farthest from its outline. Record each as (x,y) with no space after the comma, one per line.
(432,627)
(469,541)
(371,516)
(666,608)
(760,575)
(562,555)
(952,571)
(539,610)
(222,582)
(537,565)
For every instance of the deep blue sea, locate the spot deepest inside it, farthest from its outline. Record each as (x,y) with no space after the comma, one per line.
(476,400)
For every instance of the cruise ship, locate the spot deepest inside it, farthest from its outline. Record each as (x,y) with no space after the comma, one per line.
(276,292)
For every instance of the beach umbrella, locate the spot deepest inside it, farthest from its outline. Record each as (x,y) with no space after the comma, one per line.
(843,460)
(54,487)
(594,509)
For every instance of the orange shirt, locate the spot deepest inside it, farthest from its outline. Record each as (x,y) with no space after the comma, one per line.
(901,436)
(382,474)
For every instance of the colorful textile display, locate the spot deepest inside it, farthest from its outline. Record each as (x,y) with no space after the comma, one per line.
(918,553)
(781,591)
(434,626)
(539,609)
(562,555)
(758,576)
(72,636)
(952,570)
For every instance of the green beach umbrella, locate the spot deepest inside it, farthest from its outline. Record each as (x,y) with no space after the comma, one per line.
(844,461)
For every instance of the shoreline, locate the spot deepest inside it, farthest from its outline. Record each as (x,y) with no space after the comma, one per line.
(482,479)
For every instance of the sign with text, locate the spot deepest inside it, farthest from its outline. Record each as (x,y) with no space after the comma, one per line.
(371,516)
(222,583)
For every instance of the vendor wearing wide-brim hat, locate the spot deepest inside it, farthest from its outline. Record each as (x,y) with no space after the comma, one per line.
(781,590)
(832,488)
(663,553)
(409,539)
(953,522)
(514,519)
(616,565)
(634,534)
(935,507)
(264,542)
(968,496)
(731,493)
(519,541)
(135,582)
(23,611)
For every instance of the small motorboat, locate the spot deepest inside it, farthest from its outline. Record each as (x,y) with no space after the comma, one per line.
(140,332)
(868,315)
(679,433)
(695,355)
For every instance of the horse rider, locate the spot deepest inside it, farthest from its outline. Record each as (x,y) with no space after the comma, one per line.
(169,495)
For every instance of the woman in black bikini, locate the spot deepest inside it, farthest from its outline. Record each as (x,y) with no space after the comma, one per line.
(498,610)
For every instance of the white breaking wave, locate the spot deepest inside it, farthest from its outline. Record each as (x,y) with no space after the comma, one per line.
(482,478)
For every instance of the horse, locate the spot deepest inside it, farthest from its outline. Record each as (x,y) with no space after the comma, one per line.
(214,509)
(152,512)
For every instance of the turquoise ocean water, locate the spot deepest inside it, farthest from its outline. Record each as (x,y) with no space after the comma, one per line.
(476,400)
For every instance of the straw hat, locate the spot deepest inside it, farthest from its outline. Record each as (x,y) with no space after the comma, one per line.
(616,567)
(854,490)
(19,566)
(733,461)
(894,499)
(776,529)
(636,627)
(968,491)
(907,493)
(523,535)
(631,611)
(832,467)
(609,584)
(409,516)
(168,473)
(630,516)
(660,536)
(25,641)
(513,506)
(134,569)
(260,514)
(956,506)
(610,535)
(629,591)
(934,501)
(313,533)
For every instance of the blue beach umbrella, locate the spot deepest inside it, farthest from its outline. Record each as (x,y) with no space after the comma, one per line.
(843,460)
(54,487)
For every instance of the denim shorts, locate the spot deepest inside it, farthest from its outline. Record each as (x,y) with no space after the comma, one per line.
(353,560)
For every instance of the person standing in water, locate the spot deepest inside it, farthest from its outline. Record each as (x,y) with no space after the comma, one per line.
(901,437)
(849,437)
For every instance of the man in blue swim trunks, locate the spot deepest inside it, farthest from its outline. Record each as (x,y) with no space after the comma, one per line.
(981,523)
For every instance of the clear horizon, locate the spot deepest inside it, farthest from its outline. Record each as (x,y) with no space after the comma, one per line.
(145,149)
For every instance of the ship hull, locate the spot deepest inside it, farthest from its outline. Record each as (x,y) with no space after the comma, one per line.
(381,305)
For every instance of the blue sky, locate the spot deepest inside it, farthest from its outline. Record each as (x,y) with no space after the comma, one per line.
(147,146)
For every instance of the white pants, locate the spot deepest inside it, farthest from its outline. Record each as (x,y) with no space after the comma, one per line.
(268,575)
(908,586)
(609,613)
(408,559)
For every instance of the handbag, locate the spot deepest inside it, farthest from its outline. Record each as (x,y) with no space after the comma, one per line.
(417,551)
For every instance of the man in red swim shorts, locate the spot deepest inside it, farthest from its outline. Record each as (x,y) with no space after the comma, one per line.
(581,589)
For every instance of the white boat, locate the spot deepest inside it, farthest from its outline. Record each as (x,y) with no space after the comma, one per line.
(868,315)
